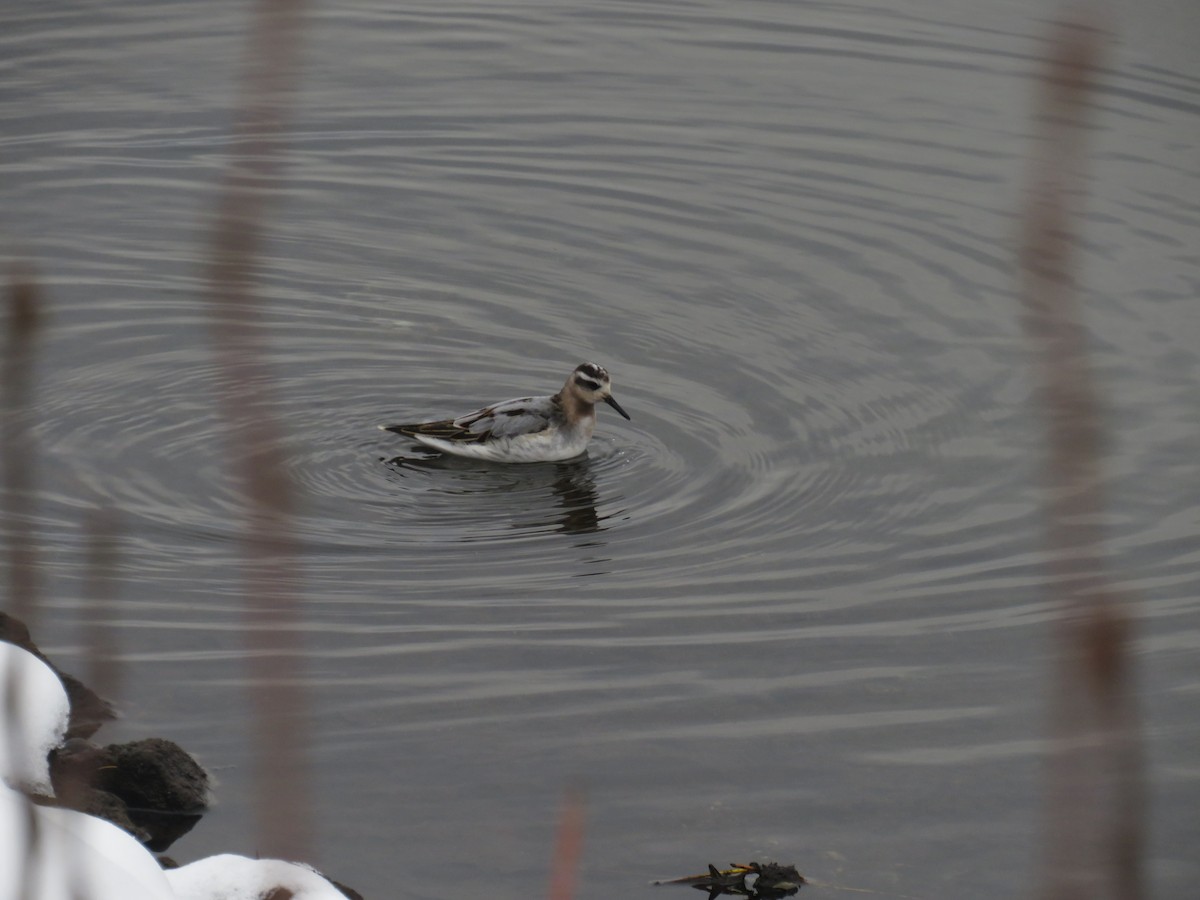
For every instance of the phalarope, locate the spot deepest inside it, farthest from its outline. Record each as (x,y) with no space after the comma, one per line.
(528,429)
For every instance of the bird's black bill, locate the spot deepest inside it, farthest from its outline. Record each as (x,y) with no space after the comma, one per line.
(617,406)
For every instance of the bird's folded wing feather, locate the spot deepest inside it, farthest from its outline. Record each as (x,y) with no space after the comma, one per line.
(524,415)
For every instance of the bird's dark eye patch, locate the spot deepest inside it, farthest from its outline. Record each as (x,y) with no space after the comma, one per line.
(587,383)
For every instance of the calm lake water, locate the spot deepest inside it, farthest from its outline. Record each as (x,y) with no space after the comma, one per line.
(794,608)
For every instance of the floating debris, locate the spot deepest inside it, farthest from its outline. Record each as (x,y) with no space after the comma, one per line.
(771,881)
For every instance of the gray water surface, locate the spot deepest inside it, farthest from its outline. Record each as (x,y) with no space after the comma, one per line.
(794,608)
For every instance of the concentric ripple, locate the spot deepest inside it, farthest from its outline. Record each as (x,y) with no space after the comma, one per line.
(811,558)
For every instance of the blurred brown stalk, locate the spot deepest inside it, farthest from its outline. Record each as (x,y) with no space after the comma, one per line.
(1093,834)
(16,513)
(255,439)
(16,386)
(99,643)
(568,848)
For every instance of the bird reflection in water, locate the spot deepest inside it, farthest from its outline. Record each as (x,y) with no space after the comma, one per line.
(571,483)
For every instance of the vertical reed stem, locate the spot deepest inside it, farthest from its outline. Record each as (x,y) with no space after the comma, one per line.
(568,848)
(23,317)
(103,669)
(1093,798)
(16,445)
(272,557)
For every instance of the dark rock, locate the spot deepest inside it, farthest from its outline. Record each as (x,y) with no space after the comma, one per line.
(75,767)
(88,709)
(349,892)
(108,806)
(151,788)
(156,774)
(163,828)
(164,788)
(775,881)
(14,631)
(158,792)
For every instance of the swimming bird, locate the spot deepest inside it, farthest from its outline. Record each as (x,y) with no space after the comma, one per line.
(528,429)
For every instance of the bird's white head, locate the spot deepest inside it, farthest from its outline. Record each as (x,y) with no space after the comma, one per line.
(591,384)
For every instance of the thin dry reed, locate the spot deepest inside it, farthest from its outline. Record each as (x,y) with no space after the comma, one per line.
(1093,836)
(99,643)
(568,848)
(22,321)
(16,388)
(255,439)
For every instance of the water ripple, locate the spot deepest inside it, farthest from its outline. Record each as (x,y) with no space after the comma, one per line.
(787,231)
